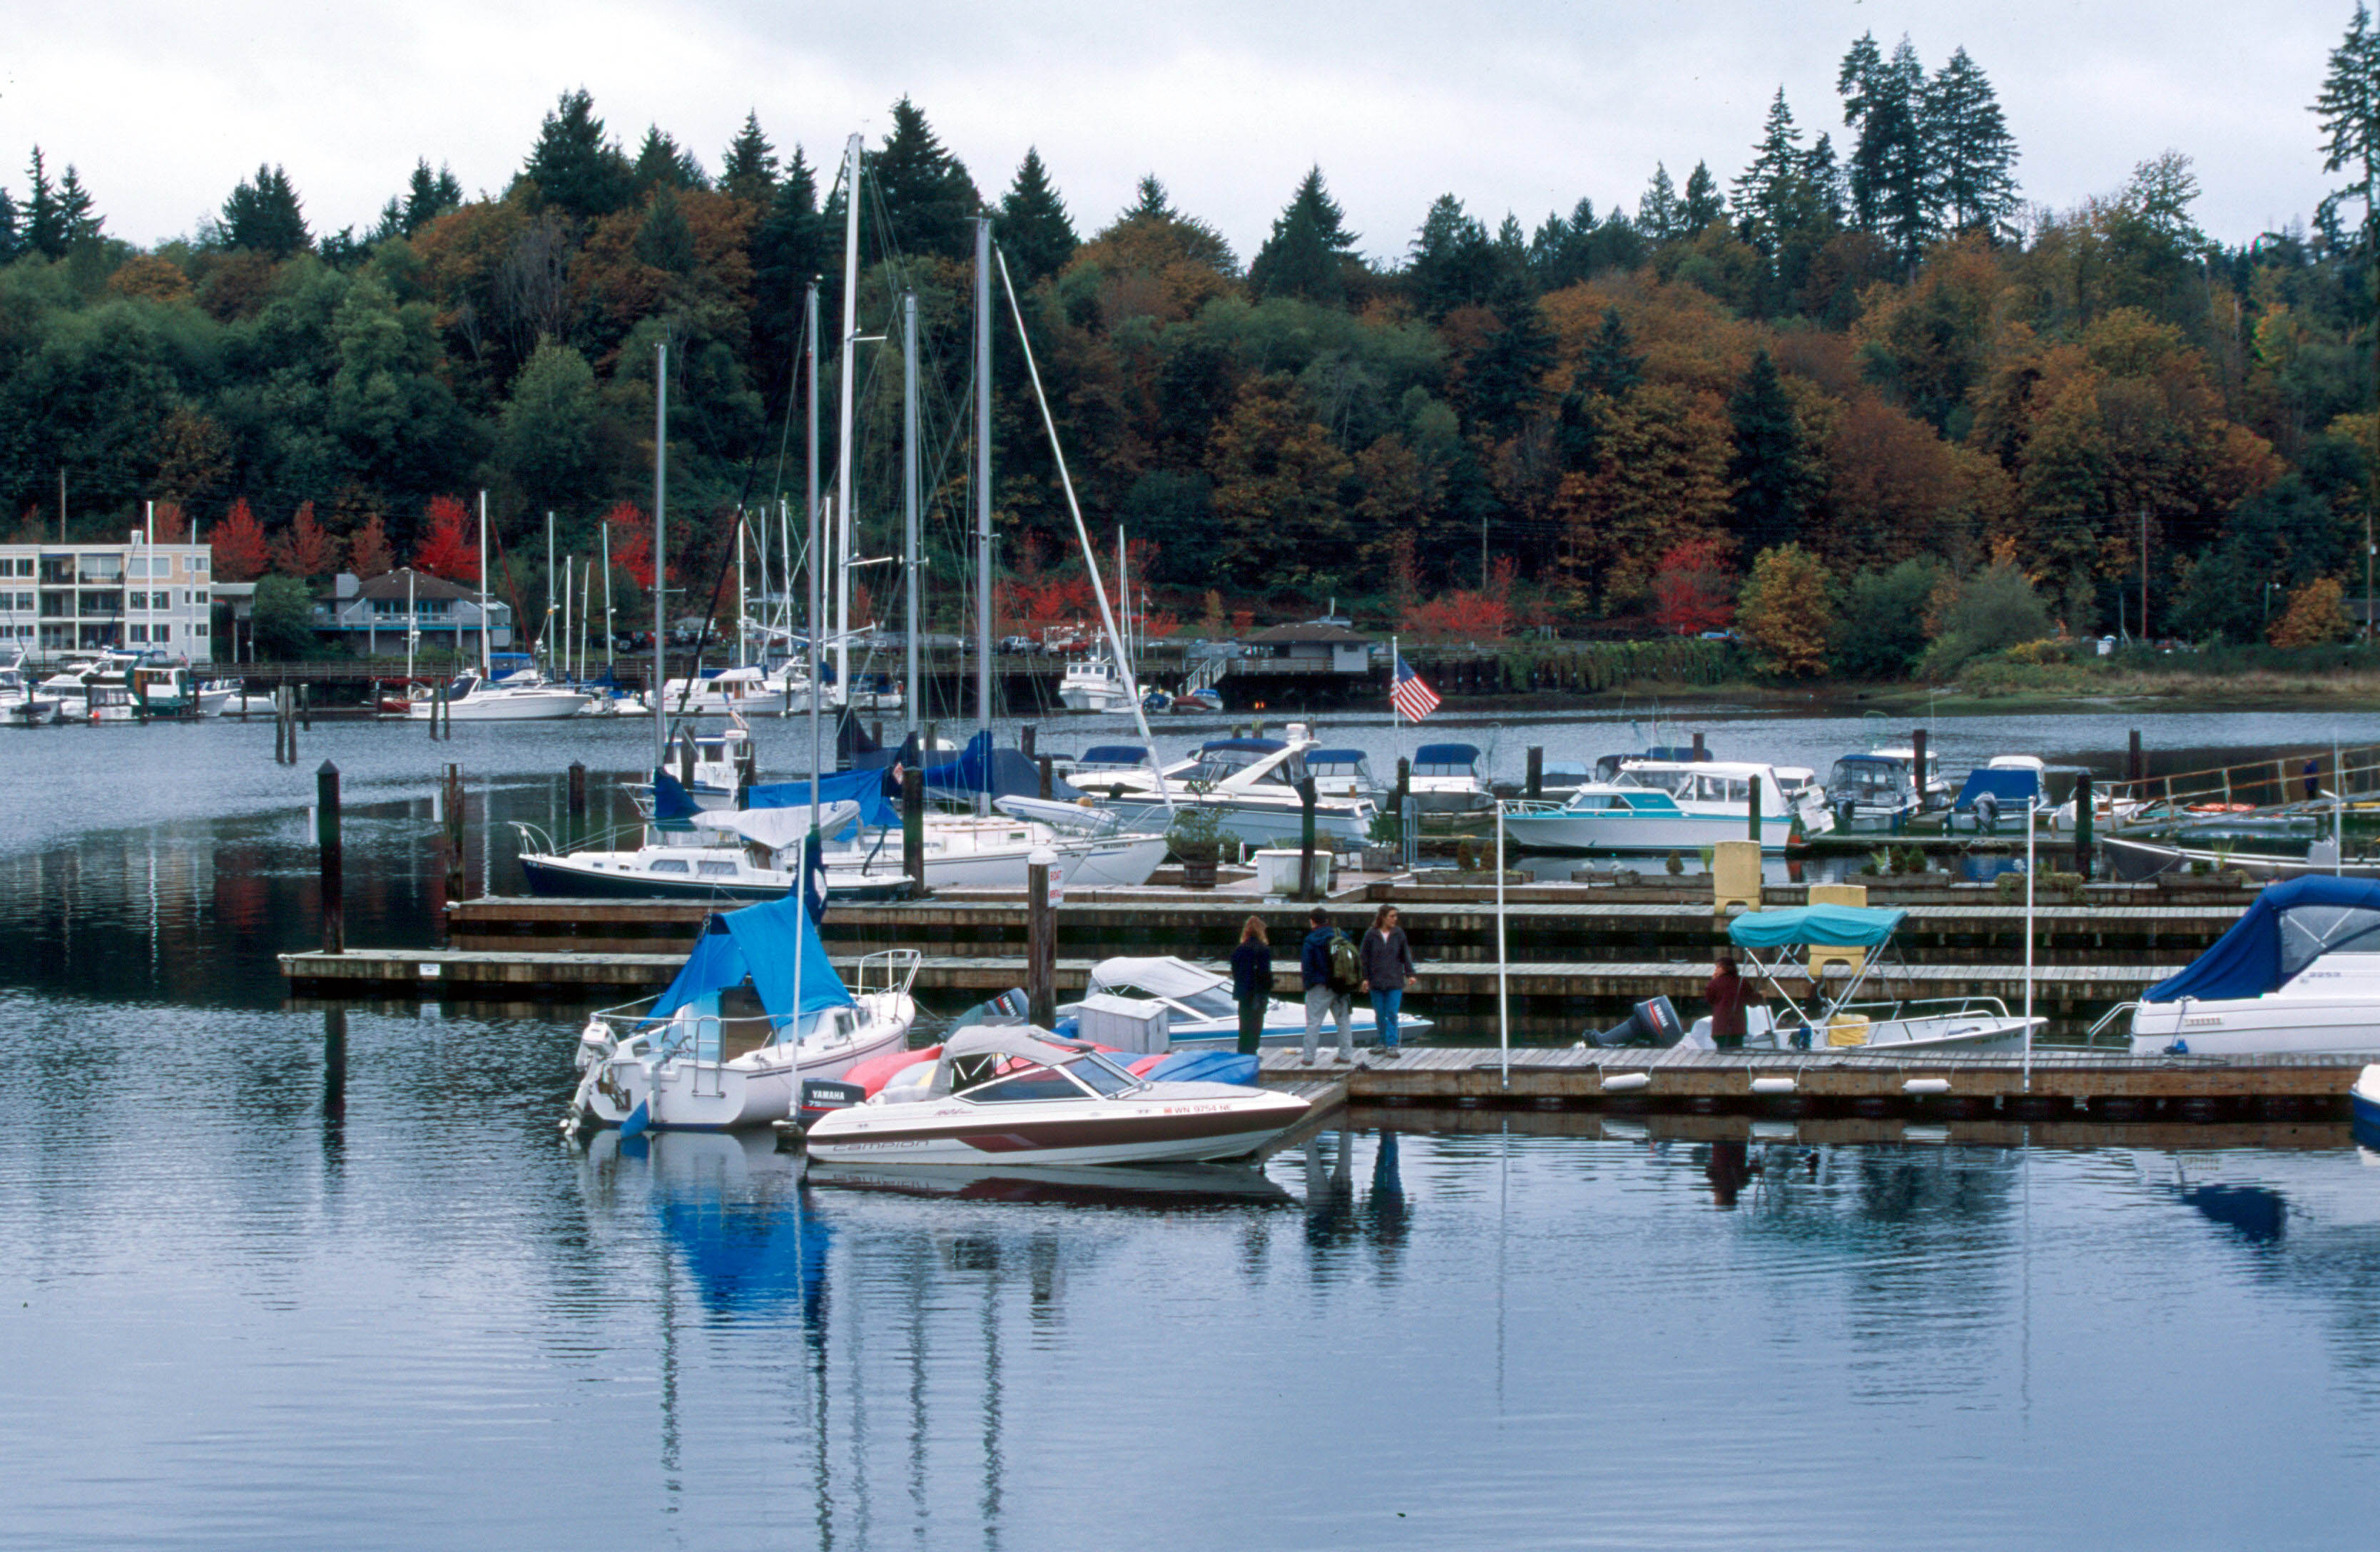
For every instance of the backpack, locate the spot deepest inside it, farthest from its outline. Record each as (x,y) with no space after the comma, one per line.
(1346,964)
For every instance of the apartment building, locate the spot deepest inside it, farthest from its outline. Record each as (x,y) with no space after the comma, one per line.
(60,597)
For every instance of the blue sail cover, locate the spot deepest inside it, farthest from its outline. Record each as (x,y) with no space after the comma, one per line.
(1847,927)
(2285,929)
(671,804)
(863,787)
(763,943)
(995,772)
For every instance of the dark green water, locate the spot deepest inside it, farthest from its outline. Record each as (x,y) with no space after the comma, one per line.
(255,1296)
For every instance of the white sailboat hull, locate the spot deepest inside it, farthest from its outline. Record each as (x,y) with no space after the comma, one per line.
(686,1095)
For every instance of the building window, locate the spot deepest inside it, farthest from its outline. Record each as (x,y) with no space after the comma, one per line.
(103,606)
(101,568)
(24,565)
(199,564)
(140,633)
(57,568)
(57,605)
(164,633)
(199,631)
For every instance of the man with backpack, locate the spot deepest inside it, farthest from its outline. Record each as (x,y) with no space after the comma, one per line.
(1332,970)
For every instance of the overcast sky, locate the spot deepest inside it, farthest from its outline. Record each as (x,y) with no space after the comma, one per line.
(1519,106)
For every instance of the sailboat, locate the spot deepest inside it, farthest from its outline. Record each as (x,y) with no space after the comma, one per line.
(521,696)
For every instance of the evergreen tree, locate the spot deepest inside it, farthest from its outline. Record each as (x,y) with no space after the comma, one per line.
(1452,262)
(1561,252)
(1883,99)
(1611,366)
(427,196)
(74,209)
(1034,230)
(44,229)
(576,167)
(1703,205)
(664,240)
(1772,472)
(1658,215)
(749,170)
(1824,177)
(663,163)
(263,215)
(2348,111)
(926,191)
(1309,245)
(1772,196)
(1149,202)
(791,246)
(10,240)
(1969,150)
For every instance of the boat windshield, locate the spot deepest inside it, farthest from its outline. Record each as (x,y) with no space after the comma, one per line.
(1864,778)
(1214,1002)
(1102,1074)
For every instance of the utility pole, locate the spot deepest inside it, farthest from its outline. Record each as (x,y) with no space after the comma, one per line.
(2144,570)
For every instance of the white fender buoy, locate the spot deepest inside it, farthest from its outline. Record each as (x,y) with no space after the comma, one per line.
(1626,1082)
(1926,1085)
(1772,1086)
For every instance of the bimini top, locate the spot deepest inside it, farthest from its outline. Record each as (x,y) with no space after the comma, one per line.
(1333,757)
(1446,753)
(1160,978)
(763,943)
(1115,754)
(1243,746)
(2288,927)
(1850,927)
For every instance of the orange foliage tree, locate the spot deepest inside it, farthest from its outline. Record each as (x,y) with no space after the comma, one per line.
(1470,614)
(445,548)
(632,542)
(367,553)
(237,543)
(1692,587)
(171,525)
(305,549)
(1032,597)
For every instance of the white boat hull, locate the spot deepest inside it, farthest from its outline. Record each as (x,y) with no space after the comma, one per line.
(1334,827)
(1124,862)
(2258,1026)
(686,1095)
(1617,831)
(506,706)
(1167,1122)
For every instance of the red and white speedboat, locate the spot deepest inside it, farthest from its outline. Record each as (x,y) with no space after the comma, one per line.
(1016,1095)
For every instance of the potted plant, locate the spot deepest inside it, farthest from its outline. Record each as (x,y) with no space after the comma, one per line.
(1197,837)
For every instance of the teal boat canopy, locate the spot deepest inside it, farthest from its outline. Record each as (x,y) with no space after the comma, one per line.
(1849,926)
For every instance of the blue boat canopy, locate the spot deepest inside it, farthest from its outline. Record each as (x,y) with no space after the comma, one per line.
(2288,928)
(863,787)
(995,772)
(1850,927)
(1333,757)
(1115,754)
(2010,785)
(761,943)
(1245,745)
(1447,754)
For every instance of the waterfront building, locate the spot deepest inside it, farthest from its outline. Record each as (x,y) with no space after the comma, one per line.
(63,598)
(372,614)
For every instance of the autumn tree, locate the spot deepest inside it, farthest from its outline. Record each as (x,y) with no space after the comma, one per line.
(1481,614)
(1277,477)
(368,551)
(1693,586)
(1784,614)
(237,545)
(2317,616)
(170,524)
(304,551)
(632,542)
(445,547)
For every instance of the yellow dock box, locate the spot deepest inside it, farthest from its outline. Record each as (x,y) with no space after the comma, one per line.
(1847,1029)
(1822,954)
(1735,876)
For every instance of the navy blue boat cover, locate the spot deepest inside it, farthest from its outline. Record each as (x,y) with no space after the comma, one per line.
(1446,753)
(2284,931)
(2011,786)
(762,942)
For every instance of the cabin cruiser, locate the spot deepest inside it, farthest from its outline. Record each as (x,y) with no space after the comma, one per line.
(1446,779)
(1342,773)
(711,767)
(1782,946)
(1199,1009)
(750,691)
(1251,782)
(1653,806)
(717,855)
(756,1007)
(20,700)
(1881,784)
(520,696)
(2299,972)
(1017,1095)
(1092,684)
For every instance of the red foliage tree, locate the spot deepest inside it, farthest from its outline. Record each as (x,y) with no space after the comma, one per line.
(367,553)
(1484,614)
(237,543)
(172,527)
(632,542)
(305,549)
(445,548)
(1693,587)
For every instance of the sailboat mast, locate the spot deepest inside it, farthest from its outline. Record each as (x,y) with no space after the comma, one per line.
(607,597)
(486,664)
(661,573)
(816,587)
(743,636)
(909,497)
(983,473)
(843,453)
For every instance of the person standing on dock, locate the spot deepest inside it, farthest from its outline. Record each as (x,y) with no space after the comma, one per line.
(1727,994)
(1387,966)
(1325,996)
(1252,982)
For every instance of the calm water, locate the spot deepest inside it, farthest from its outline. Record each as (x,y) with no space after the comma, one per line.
(264,1285)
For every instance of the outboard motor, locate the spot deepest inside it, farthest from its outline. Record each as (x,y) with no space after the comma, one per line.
(1010,1007)
(1654,1023)
(1987,813)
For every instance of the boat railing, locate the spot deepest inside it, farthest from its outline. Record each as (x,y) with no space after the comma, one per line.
(2110,1016)
(536,842)
(889,970)
(1895,1010)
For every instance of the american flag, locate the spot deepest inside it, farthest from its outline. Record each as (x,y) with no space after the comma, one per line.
(1410,695)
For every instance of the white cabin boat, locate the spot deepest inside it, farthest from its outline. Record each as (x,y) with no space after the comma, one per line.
(1093,685)
(1659,805)
(1446,779)
(1253,783)
(518,697)
(2300,972)
(1200,1011)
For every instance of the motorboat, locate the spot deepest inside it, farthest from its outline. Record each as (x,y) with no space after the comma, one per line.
(996,851)
(1020,1096)
(1206,700)
(1252,782)
(520,696)
(712,767)
(232,698)
(1092,684)
(1659,805)
(20,702)
(1881,785)
(1200,1011)
(2299,972)
(1171,1188)
(749,691)
(756,1009)
(1342,773)
(1446,779)
(1783,945)
(2363,1102)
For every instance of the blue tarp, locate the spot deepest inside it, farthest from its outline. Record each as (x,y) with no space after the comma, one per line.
(2010,785)
(1222,1067)
(863,787)
(763,943)
(1849,926)
(2264,948)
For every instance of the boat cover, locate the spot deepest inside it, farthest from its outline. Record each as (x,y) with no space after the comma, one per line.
(1446,753)
(671,804)
(1115,754)
(1025,1042)
(763,943)
(864,788)
(777,827)
(1243,746)
(2288,928)
(1222,1067)
(1160,978)
(2011,784)
(1849,926)
(981,768)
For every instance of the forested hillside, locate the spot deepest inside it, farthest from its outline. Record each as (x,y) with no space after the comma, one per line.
(1858,391)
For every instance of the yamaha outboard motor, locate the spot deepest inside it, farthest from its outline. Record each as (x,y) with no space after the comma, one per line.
(1654,1023)
(1987,813)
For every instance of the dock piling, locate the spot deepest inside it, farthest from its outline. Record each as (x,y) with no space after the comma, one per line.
(1917,764)
(1025,741)
(452,812)
(913,827)
(1040,942)
(1753,810)
(1049,775)
(2083,844)
(2135,767)
(326,837)
(577,789)
(1305,879)
(306,704)
(1536,781)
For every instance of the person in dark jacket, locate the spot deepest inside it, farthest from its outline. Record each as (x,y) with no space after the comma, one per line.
(1322,999)
(1387,966)
(1728,994)
(1252,982)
